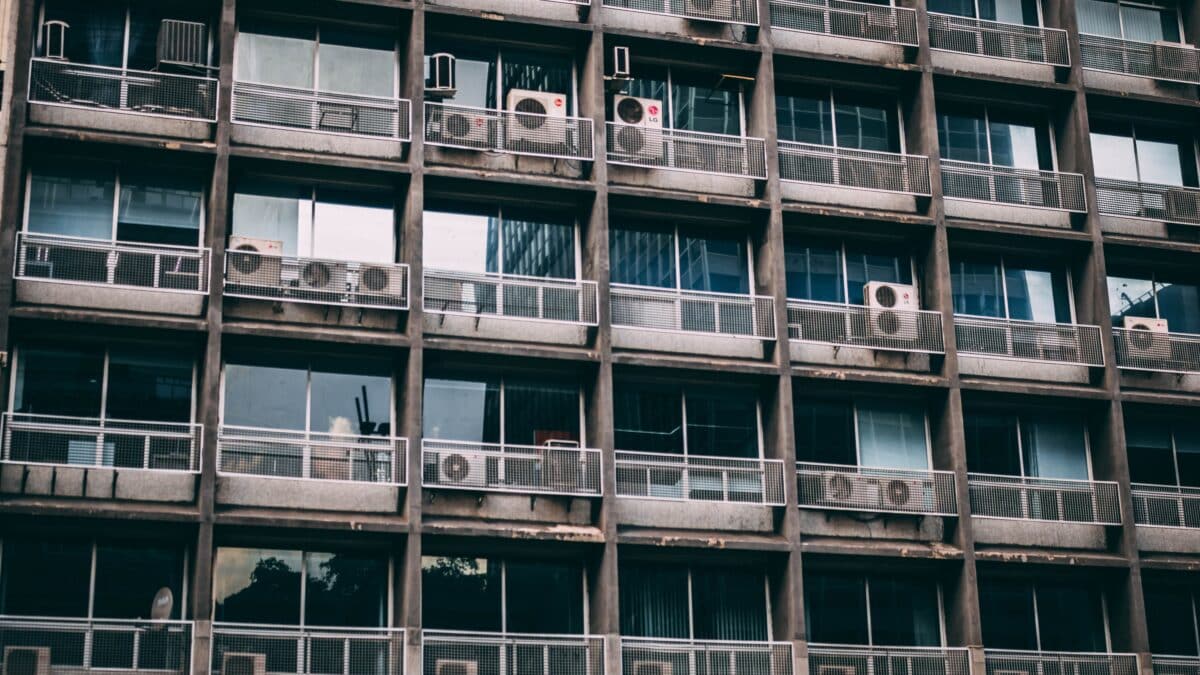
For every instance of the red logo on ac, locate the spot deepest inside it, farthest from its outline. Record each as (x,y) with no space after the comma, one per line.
(653,110)
(558,102)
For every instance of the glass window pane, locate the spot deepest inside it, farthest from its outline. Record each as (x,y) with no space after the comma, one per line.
(647,419)
(728,604)
(45,577)
(59,381)
(1151,456)
(1070,618)
(346,589)
(356,62)
(719,265)
(128,576)
(825,432)
(97,30)
(148,383)
(700,106)
(1187,454)
(642,257)
(892,435)
(1179,304)
(544,597)
(72,202)
(474,72)
(159,209)
(537,246)
(460,593)
(461,241)
(1006,609)
(866,123)
(276,53)
(537,412)
(351,226)
(1160,162)
(1130,297)
(1113,155)
(1099,17)
(1170,619)
(351,397)
(835,608)
(963,138)
(538,71)
(805,118)
(904,611)
(864,265)
(813,272)
(654,600)
(257,586)
(977,288)
(265,394)
(1037,295)
(1015,145)
(724,425)
(462,410)
(274,211)
(992,445)
(1054,447)
(1149,24)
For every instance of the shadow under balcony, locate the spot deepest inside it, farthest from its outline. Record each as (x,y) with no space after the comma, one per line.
(1029,350)
(1145,209)
(479,653)
(1045,512)
(854,335)
(1005,194)
(691,322)
(825,174)
(54,455)
(666,656)
(254,648)
(996,48)
(509,307)
(320,121)
(711,19)
(830,659)
(80,645)
(1130,66)
(1016,662)
(111,275)
(691,161)
(1158,360)
(324,472)
(1167,517)
(863,30)
(832,498)
(502,140)
(62,93)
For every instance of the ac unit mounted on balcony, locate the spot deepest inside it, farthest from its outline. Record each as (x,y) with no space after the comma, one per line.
(242,663)
(899,493)
(847,489)
(254,262)
(182,43)
(892,309)
(1166,57)
(462,468)
(378,280)
(26,661)
(455,667)
(323,278)
(1183,206)
(562,463)
(1147,338)
(461,126)
(712,10)
(652,668)
(537,119)
(639,130)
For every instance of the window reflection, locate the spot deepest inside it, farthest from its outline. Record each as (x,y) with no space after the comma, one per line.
(842,119)
(699,603)
(1178,304)
(500,241)
(1128,21)
(1143,154)
(982,135)
(317,58)
(886,434)
(1009,290)
(649,418)
(534,411)
(838,272)
(1035,444)
(903,610)
(698,101)
(644,255)
(464,593)
(477,65)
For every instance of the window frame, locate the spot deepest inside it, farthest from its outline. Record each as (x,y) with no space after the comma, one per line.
(691,603)
(832,99)
(1170,422)
(866,578)
(1002,264)
(1046,124)
(1033,585)
(669,100)
(1037,4)
(128,6)
(1192,593)
(1158,7)
(683,421)
(498,209)
(501,379)
(857,432)
(1019,418)
(844,272)
(495,50)
(675,230)
(1132,127)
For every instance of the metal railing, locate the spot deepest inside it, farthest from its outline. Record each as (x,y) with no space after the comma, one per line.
(829,659)
(78,260)
(518,133)
(1053,499)
(1175,665)
(643,656)
(1168,61)
(511,296)
(721,154)
(1131,199)
(1166,505)
(94,442)
(1009,185)
(835,323)
(1004,662)
(277,453)
(847,167)
(1063,343)
(130,91)
(845,18)
(554,468)
(316,280)
(998,39)
(875,489)
(1158,352)
(324,111)
(69,645)
(693,311)
(450,652)
(259,649)
(656,475)
(743,12)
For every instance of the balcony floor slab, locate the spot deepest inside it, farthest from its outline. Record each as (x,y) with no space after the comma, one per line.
(689,515)
(1007,213)
(1041,534)
(298,493)
(996,67)
(837,46)
(306,313)
(306,140)
(676,180)
(542,9)
(104,297)
(838,355)
(649,22)
(97,483)
(863,525)
(504,328)
(1136,84)
(836,195)
(628,337)
(984,366)
(1168,539)
(124,122)
(497,506)
(494,160)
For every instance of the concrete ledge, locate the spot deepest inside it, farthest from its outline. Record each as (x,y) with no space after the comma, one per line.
(322,315)
(1145,379)
(989,65)
(508,507)
(1135,84)
(490,160)
(317,142)
(97,483)
(838,46)
(1168,539)
(836,195)
(130,123)
(542,9)
(1138,227)
(871,526)
(694,515)
(626,337)
(99,296)
(314,495)
(836,355)
(686,181)
(648,22)
(504,328)
(970,364)
(1041,534)
(1007,213)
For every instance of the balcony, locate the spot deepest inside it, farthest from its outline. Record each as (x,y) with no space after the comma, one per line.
(556,468)
(697,657)
(286,117)
(1049,499)
(732,480)
(1062,350)
(116,99)
(841,487)
(1172,63)
(862,29)
(988,192)
(730,163)
(446,652)
(660,319)
(1034,663)
(242,648)
(99,458)
(1007,49)
(316,281)
(69,645)
(102,274)
(1164,203)
(862,660)
(727,12)
(334,472)
(509,307)
(512,141)
(1166,505)
(858,178)
(1175,665)
(818,332)
(1174,353)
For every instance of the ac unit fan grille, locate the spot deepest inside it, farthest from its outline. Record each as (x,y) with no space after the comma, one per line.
(530,113)
(631,139)
(246,264)
(375,279)
(456,467)
(885,296)
(631,111)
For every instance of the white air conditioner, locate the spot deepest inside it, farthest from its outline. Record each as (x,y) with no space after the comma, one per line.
(847,489)
(461,126)
(829,669)
(455,667)
(26,661)
(243,663)
(1183,206)
(462,469)
(643,667)
(1166,61)
(639,127)
(711,10)
(1058,344)
(182,43)
(536,118)
(1147,338)
(254,262)
(322,275)
(380,281)
(907,494)
(892,309)
(442,76)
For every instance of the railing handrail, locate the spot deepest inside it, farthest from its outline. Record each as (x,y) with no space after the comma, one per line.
(867,6)
(688,641)
(1034,481)
(1186,46)
(112,244)
(308,259)
(124,71)
(429,445)
(100,422)
(682,292)
(297,436)
(499,112)
(502,277)
(1118,330)
(317,94)
(832,646)
(506,637)
(851,307)
(684,460)
(996,25)
(1121,183)
(72,621)
(1024,322)
(852,153)
(984,167)
(285,630)
(866,470)
(1056,654)
(1159,490)
(728,139)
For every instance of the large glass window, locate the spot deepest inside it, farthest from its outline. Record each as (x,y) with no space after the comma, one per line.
(644,255)
(114,33)
(1171,616)
(838,118)
(837,272)
(1138,153)
(1047,615)
(874,433)
(1009,289)
(1043,444)
(501,595)
(685,421)
(876,610)
(692,100)
(1155,298)
(1163,450)
(504,410)
(982,135)
(317,58)
(1020,12)
(1138,21)
(500,241)
(477,66)
(693,602)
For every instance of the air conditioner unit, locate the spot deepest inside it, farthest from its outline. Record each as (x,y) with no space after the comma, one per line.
(829,669)
(26,661)
(54,39)
(1057,344)
(892,309)
(242,663)
(455,667)
(254,262)
(536,118)
(562,463)
(639,127)
(462,469)
(383,282)
(652,668)
(182,43)
(322,277)
(1183,206)
(441,82)
(1147,338)
(907,494)
(1167,63)
(467,127)
(711,10)
(847,489)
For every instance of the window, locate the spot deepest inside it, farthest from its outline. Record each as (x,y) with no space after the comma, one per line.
(673,258)
(876,610)
(505,596)
(1152,298)
(1171,616)
(837,272)
(692,100)
(1009,289)
(504,410)
(1135,153)
(662,600)
(317,222)
(500,241)
(704,421)
(1163,450)
(982,135)
(1137,21)
(882,434)
(113,33)
(1055,615)
(1020,12)
(316,58)
(843,119)
(1043,444)
(476,68)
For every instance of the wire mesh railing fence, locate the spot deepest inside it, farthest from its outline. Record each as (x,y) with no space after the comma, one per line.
(101,443)
(1000,40)
(122,90)
(743,12)
(693,311)
(1052,499)
(997,662)
(847,167)
(866,327)
(824,659)
(112,263)
(555,467)
(699,478)
(240,649)
(1062,343)
(660,656)
(1010,185)
(719,154)
(42,645)
(1171,665)
(312,456)
(324,111)
(510,296)
(1167,61)
(472,653)
(251,274)
(1158,352)
(846,18)
(875,489)
(1166,505)
(520,133)
(1131,199)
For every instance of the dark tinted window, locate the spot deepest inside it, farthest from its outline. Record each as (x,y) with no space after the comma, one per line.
(1170,618)
(544,597)
(647,419)
(904,611)
(59,381)
(654,600)
(642,257)
(345,590)
(825,432)
(835,607)
(128,576)
(258,586)
(1071,618)
(728,604)
(46,578)
(460,593)
(149,384)
(992,445)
